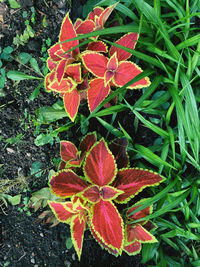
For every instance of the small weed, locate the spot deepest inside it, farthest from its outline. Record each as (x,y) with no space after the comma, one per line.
(14,140)
(5,55)
(14,4)
(23,38)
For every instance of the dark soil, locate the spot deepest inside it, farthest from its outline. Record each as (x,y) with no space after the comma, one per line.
(25,242)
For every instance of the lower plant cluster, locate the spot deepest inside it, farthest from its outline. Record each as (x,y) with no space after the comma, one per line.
(97,179)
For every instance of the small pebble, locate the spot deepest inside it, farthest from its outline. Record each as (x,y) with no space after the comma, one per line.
(32,260)
(10,150)
(41,234)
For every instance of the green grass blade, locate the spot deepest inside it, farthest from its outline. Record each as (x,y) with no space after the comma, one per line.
(167,208)
(110,128)
(111,110)
(150,14)
(148,124)
(147,154)
(161,195)
(189,42)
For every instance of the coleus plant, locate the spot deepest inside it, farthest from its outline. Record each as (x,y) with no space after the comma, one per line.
(80,73)
(95,180)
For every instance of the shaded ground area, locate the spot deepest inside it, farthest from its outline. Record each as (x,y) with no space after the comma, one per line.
(27,243)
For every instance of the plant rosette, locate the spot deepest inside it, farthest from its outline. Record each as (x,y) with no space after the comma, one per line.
(93,194)
(80,71)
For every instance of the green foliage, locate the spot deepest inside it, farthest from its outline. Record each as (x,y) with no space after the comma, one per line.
(40,198)
(33,15)
(44,22)
(15,200)
(19,76)
(14,140)
(5,55)
(49,114)
(35,169)
(14,4)
(68,243)
(25,36)
(48,138)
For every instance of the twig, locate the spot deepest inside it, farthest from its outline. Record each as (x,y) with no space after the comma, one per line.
(21,256)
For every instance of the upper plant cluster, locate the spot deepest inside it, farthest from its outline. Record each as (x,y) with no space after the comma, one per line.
(90,71)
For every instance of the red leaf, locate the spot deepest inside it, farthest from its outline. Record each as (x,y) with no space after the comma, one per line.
(71,102)
(74,71)
(149,226)
(132,181)
(98,46)
(109,192)
(77,233)
(105,15)
(60,70)
(50,64)
(108,76)
(127,71)
(128,40)
(97,93)
(66,85)
(118,148)
(96,12)
(133,248)
(52,52)
(140,214)
(85,27)
(138,233)
(111,68)
(87,142)
(95,193)
(66,184)
(108,225)
(77,23)
(62,165)
(100,166)
(67,57)
(91,194)
(68,32)
(75,162)
(48,80)
(68,151)
(95,63)
(112,63)
(62,211)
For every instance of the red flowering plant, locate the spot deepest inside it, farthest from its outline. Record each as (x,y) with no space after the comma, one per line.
(82,72)
(94,194)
